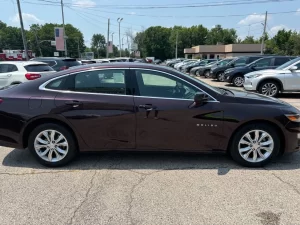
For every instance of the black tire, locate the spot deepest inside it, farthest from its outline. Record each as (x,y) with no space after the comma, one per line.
(72,146)
(197,73)
(206,74)
(221,76)
(271,84)
(238,81)
(234,146)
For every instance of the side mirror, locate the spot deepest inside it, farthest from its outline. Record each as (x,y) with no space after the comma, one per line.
(293,68)
(199,98)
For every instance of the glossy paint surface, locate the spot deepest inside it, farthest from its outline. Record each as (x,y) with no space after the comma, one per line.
(122,122)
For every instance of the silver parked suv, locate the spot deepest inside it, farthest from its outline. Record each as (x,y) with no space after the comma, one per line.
(285,78)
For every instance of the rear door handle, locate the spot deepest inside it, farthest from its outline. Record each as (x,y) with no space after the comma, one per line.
(9,75)
(73,103)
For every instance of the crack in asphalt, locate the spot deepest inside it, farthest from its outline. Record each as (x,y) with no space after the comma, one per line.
(113,165)
(85,197)
(294,188)
(133,189)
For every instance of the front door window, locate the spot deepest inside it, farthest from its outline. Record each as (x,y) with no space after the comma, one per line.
(156,84)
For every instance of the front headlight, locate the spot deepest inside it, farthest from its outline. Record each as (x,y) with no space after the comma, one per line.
(253,76)
(293,117)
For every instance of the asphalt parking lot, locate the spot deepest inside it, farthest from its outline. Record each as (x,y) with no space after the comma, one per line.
(149,189)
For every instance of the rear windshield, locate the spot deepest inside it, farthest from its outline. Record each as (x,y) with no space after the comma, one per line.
(71,62)
(38,68)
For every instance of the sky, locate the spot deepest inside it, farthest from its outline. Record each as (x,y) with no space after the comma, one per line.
(91,16)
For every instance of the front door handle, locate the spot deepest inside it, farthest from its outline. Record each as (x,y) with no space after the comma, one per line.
(147,107)
(73,103)
(9,75)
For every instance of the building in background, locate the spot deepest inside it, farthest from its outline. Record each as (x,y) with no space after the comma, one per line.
(13,55)
(221,51)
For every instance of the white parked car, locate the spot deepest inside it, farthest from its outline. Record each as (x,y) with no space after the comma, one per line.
(177,65)
(15,72)
(285,78)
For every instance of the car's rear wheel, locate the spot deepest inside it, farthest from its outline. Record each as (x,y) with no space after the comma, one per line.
(269,88)
(255,145)
(221,76)
(238,81)
(206,74)
(53,145)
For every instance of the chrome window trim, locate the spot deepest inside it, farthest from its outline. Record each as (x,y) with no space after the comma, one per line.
(42,87)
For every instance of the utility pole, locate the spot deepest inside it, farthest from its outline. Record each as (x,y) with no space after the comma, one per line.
(176,44)
(63,20)
(112,37)
(264,35)
(128,47)
(37,42)
(78,48)
(107,38)
(119,21)
(22,31)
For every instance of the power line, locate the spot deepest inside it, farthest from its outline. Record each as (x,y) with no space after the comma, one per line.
(201,5)
(161,16)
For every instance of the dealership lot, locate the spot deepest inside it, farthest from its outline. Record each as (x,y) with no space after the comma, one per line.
(149,188)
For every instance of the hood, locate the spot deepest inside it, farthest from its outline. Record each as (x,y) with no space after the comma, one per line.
(255,98)
(268,72)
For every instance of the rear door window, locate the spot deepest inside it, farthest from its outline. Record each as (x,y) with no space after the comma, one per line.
(280,61)
(38,68)
(252,59)
(70,62)
(4,68)
(264,62)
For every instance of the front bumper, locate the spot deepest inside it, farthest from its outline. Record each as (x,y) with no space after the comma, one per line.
(249,84)
(228,78)
(292,137)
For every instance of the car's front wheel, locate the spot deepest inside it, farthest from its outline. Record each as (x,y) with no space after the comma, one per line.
(255,145)
(269,88)
(53,145)
(221,76)
(238,81)
(197,73)
(206,74)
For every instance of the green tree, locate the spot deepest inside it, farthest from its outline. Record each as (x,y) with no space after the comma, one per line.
(41,36)
(98,45)
(249,40)
(219,35)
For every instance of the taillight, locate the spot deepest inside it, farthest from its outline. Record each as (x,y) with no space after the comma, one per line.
(32,76)
(1,100)
(64,68)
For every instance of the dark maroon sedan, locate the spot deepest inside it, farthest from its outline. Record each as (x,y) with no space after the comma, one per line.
(133,106)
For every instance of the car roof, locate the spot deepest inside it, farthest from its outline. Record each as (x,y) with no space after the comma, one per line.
(23,63)
(50,58)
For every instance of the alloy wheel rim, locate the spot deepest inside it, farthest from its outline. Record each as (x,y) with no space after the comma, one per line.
(239,81)
(269,89)
(51,145)
(256,146)
(197,73)
(221,77)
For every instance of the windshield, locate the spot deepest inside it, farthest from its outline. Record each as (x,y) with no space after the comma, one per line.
(287,64)
(212,63)
(38,68)
(224,62)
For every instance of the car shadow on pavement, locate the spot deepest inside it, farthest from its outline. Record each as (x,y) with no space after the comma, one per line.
(148,161)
